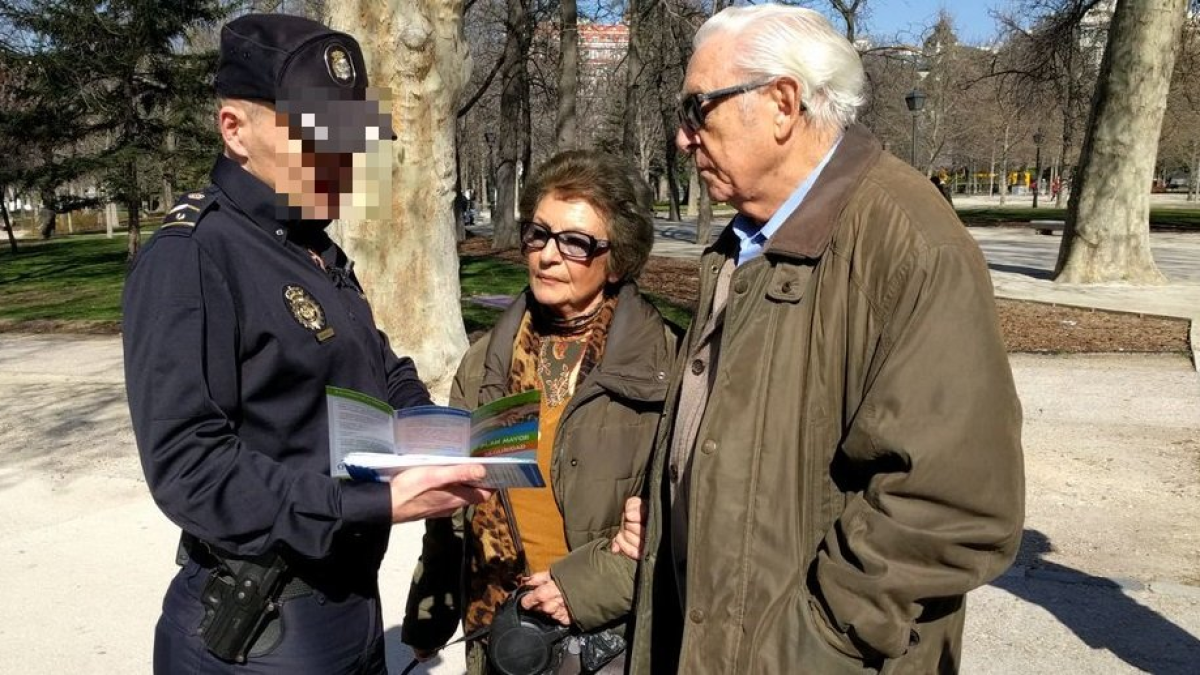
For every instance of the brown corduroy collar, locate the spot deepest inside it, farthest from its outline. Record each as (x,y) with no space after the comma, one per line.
(807,232)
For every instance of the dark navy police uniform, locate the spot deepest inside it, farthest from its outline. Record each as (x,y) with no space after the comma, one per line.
(232,331)
(236,318)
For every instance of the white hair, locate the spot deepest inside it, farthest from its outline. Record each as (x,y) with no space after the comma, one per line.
(782,41)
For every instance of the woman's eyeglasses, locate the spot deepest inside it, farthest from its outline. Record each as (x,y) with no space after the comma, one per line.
(691,107)
(571,244)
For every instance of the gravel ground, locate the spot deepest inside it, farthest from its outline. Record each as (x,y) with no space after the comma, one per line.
(1107,582)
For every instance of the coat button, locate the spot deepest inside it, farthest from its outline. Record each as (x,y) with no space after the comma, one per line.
(696,615)
(741,286)
(697,366)
(709,447)
(787,287)
(574,462)
(674,473)
(914,638)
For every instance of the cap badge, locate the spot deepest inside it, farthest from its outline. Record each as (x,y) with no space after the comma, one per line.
(341,68)
(307,311)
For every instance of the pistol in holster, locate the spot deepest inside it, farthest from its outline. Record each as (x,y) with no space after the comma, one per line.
(240,598)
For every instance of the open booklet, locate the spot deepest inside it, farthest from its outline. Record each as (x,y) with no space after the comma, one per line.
(368,440)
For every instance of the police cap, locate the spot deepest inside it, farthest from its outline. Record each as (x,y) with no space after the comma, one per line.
(313,74)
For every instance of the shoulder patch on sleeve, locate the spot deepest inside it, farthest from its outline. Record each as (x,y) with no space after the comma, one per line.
(189,208)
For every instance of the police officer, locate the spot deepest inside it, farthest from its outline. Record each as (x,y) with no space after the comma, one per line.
(238,313)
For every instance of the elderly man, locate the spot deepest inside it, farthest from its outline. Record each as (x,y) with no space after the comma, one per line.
(840,459)
(238,313)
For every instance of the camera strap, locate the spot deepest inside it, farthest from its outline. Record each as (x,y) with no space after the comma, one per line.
(474,635)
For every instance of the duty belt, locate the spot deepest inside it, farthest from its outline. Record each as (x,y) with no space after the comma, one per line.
(210,557)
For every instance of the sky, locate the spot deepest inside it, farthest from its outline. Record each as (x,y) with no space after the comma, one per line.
(910,17)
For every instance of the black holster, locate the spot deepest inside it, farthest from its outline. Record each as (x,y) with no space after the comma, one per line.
(240,597)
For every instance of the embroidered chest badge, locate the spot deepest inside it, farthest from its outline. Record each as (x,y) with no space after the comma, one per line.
(307,312)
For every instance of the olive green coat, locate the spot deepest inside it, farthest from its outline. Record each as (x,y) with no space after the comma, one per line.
(601,452)
(858,467)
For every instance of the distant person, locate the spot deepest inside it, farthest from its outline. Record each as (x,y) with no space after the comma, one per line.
(599,352)
(942,188)
(840,461)
(237,314)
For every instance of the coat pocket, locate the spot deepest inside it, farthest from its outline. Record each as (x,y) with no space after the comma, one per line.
(789,638)
(612,451)
(825,648)
(594,509)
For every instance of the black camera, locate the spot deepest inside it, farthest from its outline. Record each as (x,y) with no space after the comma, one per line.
(524,643)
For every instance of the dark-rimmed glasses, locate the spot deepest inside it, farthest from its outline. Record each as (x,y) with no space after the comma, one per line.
(691,107)
(571,244)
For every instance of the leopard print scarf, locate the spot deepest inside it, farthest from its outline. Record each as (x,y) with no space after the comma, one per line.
(497,561)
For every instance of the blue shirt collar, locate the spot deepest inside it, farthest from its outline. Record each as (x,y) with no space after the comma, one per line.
(752,239)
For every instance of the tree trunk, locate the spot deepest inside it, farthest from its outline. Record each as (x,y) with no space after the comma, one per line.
(1194,179)
(526,167)
(992,173)
(704,221)
(693,198)
(671,155)
(168,178)
(565,129)
(134,206)
(408,264)
(633,75)
(1004,168)
(459,201)
(504,221)
(1068,129)
(1107,235)
(8,228)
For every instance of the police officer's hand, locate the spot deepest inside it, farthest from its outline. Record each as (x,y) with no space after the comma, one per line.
(629,540)
(436,491)
(547,598)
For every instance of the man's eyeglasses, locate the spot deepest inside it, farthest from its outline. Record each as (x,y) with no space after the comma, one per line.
(691,107)
(571,244)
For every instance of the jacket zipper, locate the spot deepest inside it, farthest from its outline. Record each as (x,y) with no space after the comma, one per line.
(577,400)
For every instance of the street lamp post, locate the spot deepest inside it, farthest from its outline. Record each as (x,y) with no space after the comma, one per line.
(1038,137)
(915,102)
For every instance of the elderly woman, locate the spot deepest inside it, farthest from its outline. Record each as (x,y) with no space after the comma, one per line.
(585,337)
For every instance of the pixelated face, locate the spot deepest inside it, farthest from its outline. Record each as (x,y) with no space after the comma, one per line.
(567,286)
(313,182)
(329,159)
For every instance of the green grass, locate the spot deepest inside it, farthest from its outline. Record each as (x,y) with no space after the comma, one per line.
(480,275)
(77,278)
(1175,218)
(676,314)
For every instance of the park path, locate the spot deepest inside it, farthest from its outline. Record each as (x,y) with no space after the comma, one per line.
(1107,582)
(1022,261)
